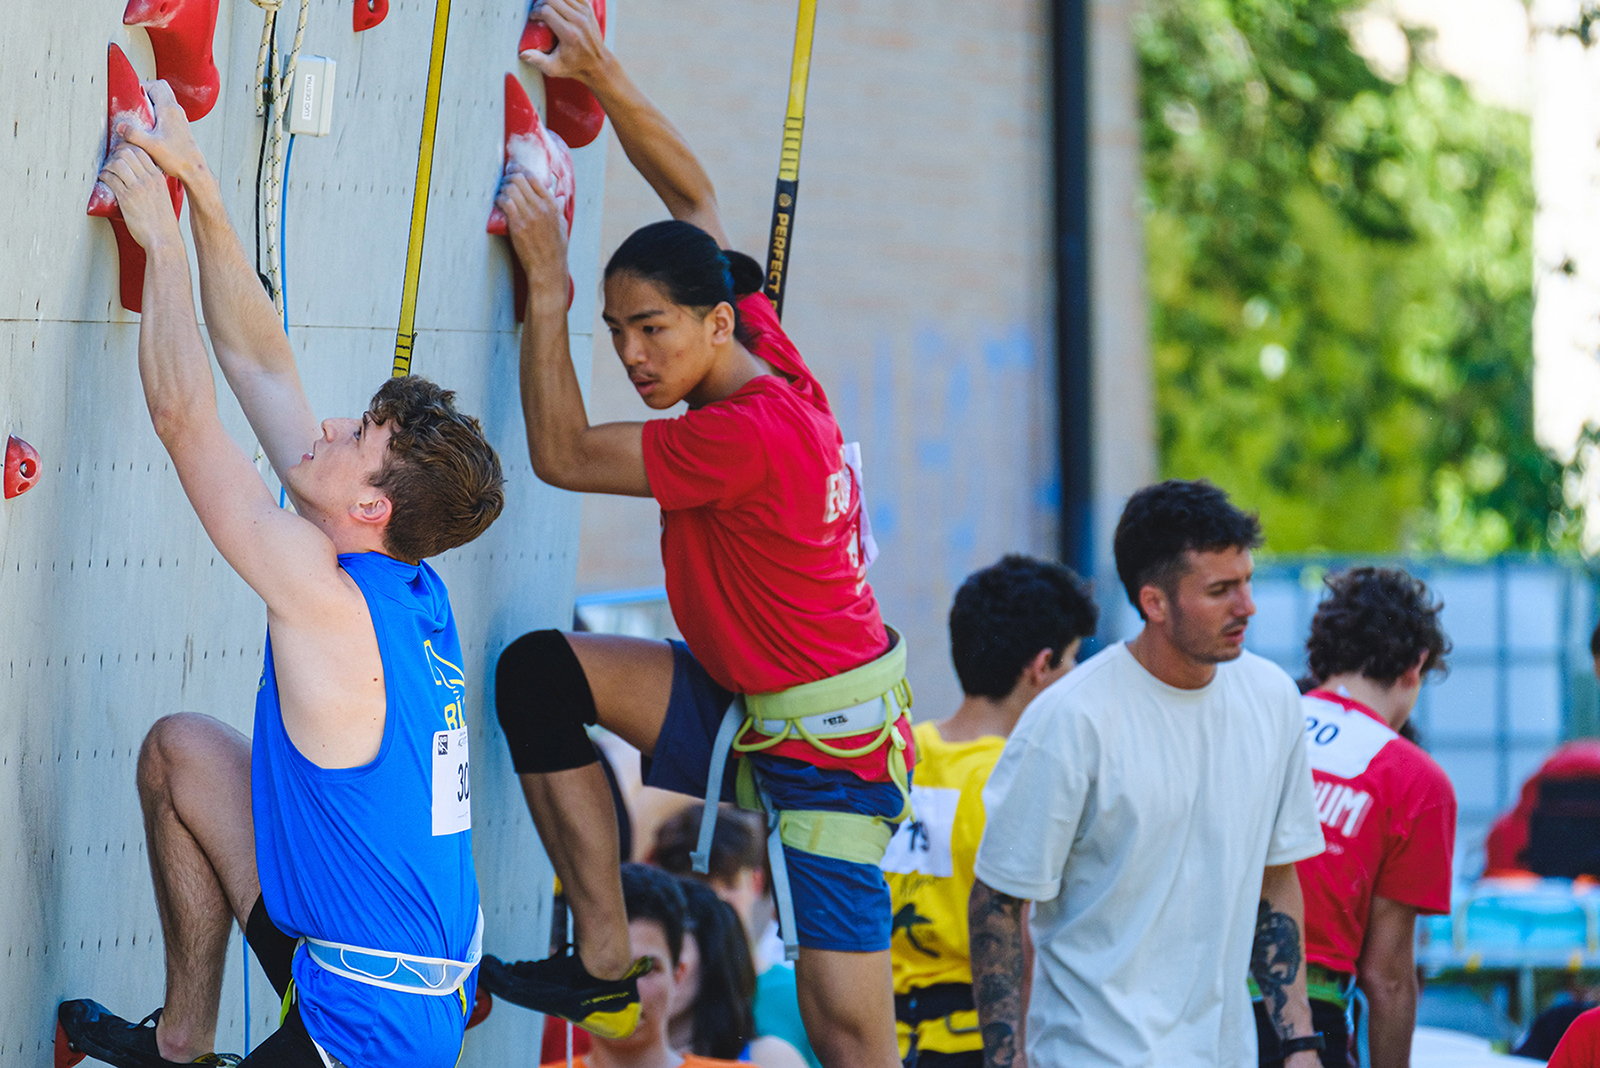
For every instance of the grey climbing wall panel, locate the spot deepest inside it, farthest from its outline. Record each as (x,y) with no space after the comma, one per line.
(114,608)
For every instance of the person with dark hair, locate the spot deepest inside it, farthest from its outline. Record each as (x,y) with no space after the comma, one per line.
(787,665)
(1388,814)
(713,1007)
(657,929)
(1151,806)
(737,874)
(1015,628)
(342,831)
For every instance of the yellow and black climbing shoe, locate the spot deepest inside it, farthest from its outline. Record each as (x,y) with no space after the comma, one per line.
(560,986)
(91,1029)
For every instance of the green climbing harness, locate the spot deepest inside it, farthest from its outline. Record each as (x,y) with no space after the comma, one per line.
(873,698)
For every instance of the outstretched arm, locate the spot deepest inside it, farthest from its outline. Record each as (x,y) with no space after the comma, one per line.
(566,451)
(246,335)
(999,977)
(284,558)
(653,144)
(1277,958)
(1387,974)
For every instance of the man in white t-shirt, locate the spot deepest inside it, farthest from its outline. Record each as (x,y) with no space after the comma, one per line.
(1152,804)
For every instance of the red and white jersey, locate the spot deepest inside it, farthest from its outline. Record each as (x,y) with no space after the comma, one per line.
(1388,815)
(761,536)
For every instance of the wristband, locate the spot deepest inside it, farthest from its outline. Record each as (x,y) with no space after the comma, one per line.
(1314,1041)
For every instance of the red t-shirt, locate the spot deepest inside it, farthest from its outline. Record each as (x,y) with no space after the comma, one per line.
(1388,816)
(1509,835)
(761,536)
(1580,1046)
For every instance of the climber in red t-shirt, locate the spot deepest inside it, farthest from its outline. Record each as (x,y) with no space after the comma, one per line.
(1388,812)
(787,662)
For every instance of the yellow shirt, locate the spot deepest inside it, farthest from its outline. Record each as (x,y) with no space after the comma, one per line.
(929,869)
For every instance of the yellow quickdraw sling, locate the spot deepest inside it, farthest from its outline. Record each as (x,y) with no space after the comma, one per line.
(874,697)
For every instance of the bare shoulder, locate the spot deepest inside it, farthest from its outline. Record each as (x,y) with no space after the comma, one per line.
(330,675)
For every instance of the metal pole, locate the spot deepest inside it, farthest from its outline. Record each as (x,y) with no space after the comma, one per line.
(1074,351)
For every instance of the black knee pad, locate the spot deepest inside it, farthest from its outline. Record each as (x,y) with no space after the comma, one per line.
(543,699)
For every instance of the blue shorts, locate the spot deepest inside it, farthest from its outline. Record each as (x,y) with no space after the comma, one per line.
(838,904)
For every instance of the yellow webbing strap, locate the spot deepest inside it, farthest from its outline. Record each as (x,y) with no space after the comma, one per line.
(406,334)
(848,836)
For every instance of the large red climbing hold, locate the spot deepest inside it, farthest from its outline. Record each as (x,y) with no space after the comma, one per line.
(126,102)
(537,152)
(369,13)
(22,471)
(573,111)
(180,36)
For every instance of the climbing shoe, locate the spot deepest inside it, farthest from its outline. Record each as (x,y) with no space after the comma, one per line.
(92,1029)
(560,986)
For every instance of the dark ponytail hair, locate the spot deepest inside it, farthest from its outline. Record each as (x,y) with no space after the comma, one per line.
(684,262)
(724,1012)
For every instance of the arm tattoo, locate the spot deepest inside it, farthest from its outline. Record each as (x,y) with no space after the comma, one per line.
(1275,961)
(995,923)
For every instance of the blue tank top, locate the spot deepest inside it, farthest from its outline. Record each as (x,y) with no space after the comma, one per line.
(360,855)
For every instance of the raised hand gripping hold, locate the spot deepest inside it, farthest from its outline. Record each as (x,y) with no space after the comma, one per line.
(577,30)
(141,191)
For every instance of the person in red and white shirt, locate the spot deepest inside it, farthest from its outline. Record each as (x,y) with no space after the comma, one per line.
(765,553)
(1388,811)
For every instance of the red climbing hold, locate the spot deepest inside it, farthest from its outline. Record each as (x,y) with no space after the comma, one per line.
(574,112)
(369,13)
(180,36)
(126,102)
(66,1056)
(539,153)
(22,471)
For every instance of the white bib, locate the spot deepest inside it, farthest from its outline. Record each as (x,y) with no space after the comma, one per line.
(1339,741)
(452,783)
(922,843)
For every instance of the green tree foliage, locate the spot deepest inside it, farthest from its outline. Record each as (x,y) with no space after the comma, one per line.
(1340,273)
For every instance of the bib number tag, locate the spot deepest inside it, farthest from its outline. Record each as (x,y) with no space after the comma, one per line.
(452,783)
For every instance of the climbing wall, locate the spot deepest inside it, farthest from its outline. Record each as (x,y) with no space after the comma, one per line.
(114,608)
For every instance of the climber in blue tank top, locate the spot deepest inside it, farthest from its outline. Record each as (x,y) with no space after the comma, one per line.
(378,855)
(339,839)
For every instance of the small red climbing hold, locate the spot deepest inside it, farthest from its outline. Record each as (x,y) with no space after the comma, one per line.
(66,1056)
(369,13)
(481,1008)
(22,471)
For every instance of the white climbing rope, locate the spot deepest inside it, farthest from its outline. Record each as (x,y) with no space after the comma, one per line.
(274,87)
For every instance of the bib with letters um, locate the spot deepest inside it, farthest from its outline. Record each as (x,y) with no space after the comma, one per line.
(379,855)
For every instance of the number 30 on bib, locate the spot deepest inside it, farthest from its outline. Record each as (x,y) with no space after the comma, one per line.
(452,783)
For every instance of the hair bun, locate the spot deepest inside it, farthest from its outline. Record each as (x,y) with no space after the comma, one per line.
(748,277)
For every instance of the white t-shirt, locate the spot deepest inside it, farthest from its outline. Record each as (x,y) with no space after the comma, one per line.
(1139,817)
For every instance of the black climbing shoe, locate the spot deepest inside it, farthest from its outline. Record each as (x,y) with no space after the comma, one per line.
(92,1029)
(560,986)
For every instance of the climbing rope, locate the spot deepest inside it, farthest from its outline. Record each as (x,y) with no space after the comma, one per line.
(274,86)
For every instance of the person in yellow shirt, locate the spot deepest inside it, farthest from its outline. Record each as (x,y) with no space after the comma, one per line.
(1015,628)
